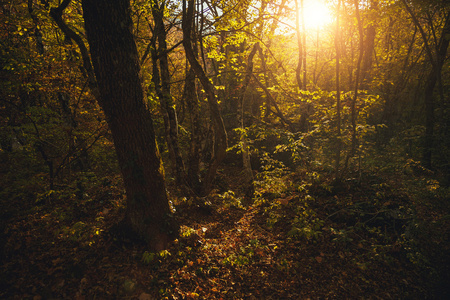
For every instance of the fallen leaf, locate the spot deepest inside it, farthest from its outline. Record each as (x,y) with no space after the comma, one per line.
(144,296)
(283,201)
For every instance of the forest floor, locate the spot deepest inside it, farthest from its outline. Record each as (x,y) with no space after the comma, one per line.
(307,243)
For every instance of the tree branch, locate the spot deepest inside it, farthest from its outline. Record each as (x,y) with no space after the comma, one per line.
(56,14)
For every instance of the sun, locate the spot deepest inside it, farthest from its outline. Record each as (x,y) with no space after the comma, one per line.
(316,14)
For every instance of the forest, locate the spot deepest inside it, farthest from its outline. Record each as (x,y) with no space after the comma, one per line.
(224,149)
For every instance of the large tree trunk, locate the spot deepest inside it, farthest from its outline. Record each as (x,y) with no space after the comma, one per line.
(116,65)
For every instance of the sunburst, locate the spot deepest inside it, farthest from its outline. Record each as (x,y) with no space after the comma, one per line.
(316,14)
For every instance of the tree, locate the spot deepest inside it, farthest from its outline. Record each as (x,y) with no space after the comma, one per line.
(220,138)
(369,42)
(354,113)
(299,42)
(437,60)
(161,80)
(338,92)
(116,65)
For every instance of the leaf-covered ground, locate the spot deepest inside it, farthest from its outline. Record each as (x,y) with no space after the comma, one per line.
(367,241)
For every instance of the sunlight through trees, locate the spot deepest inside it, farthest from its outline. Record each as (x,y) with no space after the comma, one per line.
(307,125)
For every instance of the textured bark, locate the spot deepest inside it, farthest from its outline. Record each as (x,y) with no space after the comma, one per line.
(116,65)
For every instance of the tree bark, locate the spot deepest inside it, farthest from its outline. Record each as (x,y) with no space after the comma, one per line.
(298,70)
(338,95)
(248,173)
(37,31)
(220,134)
(369,44)
(429,89)
(116,66)
(304,43)
(354,113)
(56,14)
(192,105)
(161,79)
(437,63)
(368,53)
